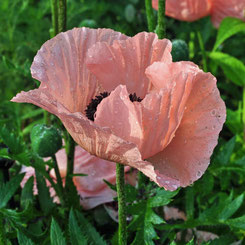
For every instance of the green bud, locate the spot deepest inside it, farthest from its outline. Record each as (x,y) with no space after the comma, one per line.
(180,50)
(45,141)
(88,23)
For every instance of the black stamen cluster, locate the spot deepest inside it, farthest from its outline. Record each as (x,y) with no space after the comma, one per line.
(133,97)
(92,107)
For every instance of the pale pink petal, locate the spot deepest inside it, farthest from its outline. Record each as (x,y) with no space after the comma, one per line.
(188,155)
(29,172)
(227,8)
(160,109)
(59,66)
(173,213)
(186,10)
(92,189)
(106,195)
(125,61)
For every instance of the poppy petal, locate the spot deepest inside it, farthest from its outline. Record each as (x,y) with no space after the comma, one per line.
(188,155)
(186,10)
(227,8)
(124,62)
(60,66)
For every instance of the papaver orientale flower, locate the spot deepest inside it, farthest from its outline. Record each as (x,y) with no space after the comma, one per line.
(92,189)
(191,10)
(160,117)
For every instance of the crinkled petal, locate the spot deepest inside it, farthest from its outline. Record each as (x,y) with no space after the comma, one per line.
(188,155)
(59,65)
(162,109)
(187,10)
(124,62)
(227,8)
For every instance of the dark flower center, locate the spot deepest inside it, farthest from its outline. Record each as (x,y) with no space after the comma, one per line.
(92,107)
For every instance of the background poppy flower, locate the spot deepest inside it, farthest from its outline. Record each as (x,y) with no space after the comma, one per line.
(173,123)
(191,10)
(92,189)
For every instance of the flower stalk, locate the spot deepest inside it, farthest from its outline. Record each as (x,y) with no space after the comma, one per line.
(70,150)
(122,229)
(161,25)
(61,15)
(54,10)
(149,15)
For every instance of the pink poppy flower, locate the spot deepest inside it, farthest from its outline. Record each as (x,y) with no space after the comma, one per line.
(191,10)
(91,188)
(167,130)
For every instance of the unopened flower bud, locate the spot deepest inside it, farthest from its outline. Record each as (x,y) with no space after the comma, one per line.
(45,141)
(180,50)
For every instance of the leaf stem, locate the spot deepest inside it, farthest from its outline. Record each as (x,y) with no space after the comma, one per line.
(204,57)
(122,229)
(161,25)
(149,15)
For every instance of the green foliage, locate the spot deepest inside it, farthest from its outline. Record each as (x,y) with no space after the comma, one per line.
(27,193)
(228,27)
(92,236)
(76,233)
(145,216)
(7,190)
(56,235)
(45,200)
(24,240)
(233,68)
(215,203)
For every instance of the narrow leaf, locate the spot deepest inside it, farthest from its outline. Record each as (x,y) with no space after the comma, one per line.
(89,231)
(23,239)
(228,27)
(233,68)
(56,235)
(76,234)
(27,193)
(44,198)
(7,190)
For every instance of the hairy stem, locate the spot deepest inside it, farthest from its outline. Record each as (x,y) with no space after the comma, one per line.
(62,15)
(54,10)
(149,15)
(70,150)
(161,25)
(122,229)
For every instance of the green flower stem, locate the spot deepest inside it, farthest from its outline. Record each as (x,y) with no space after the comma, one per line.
(54,10)
(57,173)
(70,150)
(161,25)
(243,111)
(149,15)
(2,230)
(61,15)
(204,57)
(122,229)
